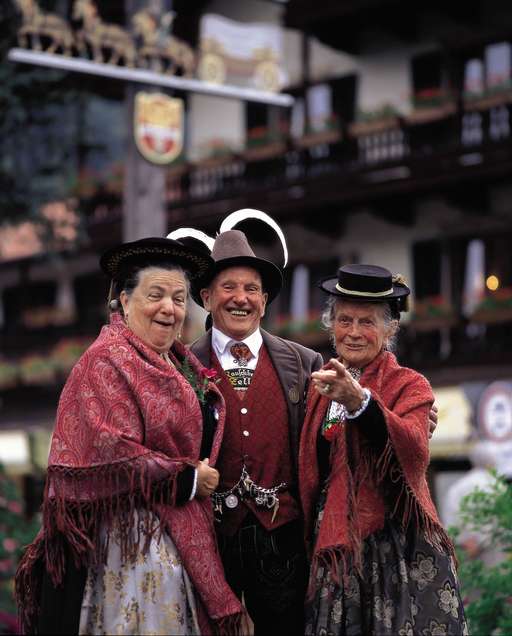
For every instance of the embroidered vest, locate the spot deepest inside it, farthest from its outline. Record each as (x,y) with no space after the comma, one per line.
(256,431)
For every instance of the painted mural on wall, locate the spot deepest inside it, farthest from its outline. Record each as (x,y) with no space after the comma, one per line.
(227,49)
(248,53)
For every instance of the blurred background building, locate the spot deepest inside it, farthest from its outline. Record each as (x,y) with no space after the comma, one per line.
(396,150)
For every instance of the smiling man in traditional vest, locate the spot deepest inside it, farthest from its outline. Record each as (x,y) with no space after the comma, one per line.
(264,380)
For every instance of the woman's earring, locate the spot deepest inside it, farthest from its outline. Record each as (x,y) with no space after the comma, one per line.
(114,305)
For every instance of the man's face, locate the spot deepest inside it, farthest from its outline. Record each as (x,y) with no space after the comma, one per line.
(236,301)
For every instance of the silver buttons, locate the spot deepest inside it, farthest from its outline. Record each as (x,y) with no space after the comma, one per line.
(243,410)
(246,433)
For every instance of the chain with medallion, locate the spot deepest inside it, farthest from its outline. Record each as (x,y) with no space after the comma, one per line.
(246,487)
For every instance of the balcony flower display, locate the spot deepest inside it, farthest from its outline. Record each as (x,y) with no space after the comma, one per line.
(263,136)
(367,122)
(66,353)
(37,369)
(432,98)
(503,88)
(329,123)
(305,331)
(215,148)
(497,307)
(432,312)
(386,111)
(9,373)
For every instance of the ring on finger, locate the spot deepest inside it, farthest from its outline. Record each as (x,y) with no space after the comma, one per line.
(326,388)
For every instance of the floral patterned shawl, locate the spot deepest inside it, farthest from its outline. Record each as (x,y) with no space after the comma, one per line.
(127,424)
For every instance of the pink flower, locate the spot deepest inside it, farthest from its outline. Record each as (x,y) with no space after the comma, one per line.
(5,565)
(208,374)
(10,544)
(14,506)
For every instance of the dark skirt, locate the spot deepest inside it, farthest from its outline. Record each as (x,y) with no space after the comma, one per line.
(407,588)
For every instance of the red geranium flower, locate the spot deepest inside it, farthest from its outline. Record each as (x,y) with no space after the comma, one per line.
(209,374)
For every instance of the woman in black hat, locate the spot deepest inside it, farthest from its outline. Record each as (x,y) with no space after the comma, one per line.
(381,561)
(127,544)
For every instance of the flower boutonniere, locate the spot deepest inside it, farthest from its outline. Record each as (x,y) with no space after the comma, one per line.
(199,383)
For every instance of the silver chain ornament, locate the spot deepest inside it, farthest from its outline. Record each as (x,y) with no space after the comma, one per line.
(246,487)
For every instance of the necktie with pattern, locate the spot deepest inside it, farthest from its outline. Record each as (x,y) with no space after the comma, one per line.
(241,353)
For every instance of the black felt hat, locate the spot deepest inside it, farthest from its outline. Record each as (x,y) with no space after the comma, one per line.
(118,261)
(231,249)
(367,283)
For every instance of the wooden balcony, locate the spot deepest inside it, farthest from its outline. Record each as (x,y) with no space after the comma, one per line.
(429,149)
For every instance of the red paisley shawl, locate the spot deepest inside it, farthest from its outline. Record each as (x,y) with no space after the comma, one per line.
(127,424)
(355,506)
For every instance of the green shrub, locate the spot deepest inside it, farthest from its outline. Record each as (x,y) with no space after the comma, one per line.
(487,590)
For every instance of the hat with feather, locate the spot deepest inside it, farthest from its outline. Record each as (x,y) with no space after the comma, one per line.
(230,248)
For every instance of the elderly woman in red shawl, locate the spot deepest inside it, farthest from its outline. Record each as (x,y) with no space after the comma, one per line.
(381,561)
(127,544)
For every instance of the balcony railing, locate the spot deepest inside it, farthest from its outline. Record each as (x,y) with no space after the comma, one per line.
(431,145)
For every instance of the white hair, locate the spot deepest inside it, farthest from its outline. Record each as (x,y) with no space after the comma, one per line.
(329,315)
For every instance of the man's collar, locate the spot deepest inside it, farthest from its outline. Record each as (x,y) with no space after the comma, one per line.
(220,341)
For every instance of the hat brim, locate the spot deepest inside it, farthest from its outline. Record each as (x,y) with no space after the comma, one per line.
(118,261)
(328,285)
(271,276)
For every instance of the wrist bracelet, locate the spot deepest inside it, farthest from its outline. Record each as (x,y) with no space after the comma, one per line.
(366,400)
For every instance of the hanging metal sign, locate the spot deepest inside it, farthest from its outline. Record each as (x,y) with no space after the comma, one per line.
(158,126)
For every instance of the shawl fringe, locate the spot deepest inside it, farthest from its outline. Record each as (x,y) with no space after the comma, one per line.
(127,495)
(234,625)
(340,462)
(28,586)
(71,515)
(407,507)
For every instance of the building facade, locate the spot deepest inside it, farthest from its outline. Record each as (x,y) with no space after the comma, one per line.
(396,151)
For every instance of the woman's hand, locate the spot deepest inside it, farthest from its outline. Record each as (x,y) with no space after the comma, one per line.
(335,382)
(432,420)
(207,479)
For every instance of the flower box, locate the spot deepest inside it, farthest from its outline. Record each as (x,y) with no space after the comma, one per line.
(489,98)
(496,308)
(37,369)
(264,151)
(311,139)
(66,353)
(426,115)
(309,332)
(375,121)
(431,98)
(432,313)
(213,153)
